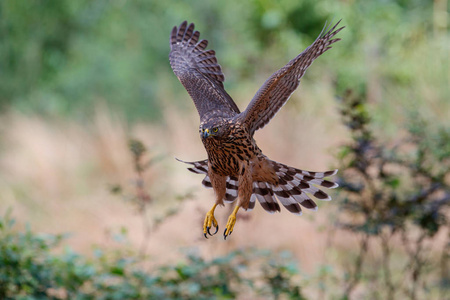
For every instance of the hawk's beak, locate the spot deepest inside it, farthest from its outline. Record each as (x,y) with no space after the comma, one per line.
(206,133)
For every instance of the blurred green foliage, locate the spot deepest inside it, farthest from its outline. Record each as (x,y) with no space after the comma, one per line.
(65,57)
(393,185)
(29,269)
(396,192)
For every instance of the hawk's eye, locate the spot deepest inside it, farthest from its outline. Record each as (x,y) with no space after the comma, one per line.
(215,129)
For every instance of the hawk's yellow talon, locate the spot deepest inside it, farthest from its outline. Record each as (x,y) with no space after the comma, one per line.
(209,222)
(231,222)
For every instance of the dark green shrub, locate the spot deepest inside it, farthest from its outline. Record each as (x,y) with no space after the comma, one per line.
(391,193)
(29,269)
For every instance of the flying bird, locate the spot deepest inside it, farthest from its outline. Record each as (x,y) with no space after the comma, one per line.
(236,168)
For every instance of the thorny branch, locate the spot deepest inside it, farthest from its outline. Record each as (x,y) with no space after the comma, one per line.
(141,197)
(386,248)
(386,191)
(359,261)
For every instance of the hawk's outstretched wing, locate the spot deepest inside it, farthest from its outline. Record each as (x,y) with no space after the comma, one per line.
(198,70)
(274,93)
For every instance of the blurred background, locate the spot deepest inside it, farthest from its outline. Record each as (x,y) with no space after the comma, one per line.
(92,118)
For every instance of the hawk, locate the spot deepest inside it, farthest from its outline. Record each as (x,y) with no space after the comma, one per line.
(236,168)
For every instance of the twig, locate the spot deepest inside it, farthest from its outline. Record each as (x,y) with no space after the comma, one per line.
(385,239)
(358,265)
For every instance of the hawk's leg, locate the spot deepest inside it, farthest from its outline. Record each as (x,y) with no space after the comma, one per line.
(231,222)
(210,221)
(244,192)
(219,185)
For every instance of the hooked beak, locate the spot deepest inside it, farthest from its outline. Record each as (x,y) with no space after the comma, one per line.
(206,133)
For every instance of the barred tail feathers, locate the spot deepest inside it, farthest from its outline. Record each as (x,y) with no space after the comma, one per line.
(294,187)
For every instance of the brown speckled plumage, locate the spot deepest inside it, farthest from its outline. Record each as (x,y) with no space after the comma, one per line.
(236,168)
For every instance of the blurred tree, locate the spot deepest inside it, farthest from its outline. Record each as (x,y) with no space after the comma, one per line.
(64,57)
(35,37)
(395,192)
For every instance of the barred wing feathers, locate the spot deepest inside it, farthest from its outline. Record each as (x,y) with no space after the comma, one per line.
(275,92)
(198,71)
(293,191)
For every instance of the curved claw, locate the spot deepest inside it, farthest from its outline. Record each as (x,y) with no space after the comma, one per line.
(225,234)
(208,228)
(209,222)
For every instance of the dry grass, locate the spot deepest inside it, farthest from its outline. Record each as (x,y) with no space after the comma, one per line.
(56,175)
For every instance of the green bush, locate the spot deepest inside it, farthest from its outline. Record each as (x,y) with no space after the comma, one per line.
(395,192)
(29,269)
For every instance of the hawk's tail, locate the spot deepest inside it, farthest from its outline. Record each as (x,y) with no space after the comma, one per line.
(294,187)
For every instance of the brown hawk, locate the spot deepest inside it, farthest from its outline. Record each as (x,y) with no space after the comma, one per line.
(236,168)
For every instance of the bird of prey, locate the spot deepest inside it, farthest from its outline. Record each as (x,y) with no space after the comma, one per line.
(236,168)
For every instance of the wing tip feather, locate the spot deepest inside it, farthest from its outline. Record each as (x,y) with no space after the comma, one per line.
(336,185)
(331,173)
(186,162)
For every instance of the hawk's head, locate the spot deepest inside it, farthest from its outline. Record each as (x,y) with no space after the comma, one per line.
(216,128)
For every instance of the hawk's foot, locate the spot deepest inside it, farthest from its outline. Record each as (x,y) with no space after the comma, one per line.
(231,222)
(210,221)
